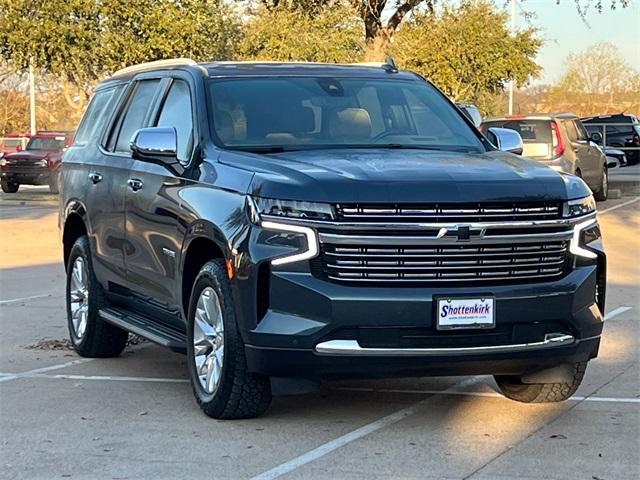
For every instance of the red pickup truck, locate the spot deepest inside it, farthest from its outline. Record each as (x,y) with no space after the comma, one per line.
(37,164)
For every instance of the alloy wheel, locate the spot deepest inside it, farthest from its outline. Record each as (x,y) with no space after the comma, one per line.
(79,297)
(208,340)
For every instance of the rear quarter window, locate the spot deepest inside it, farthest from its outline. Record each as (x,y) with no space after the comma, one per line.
(95,116)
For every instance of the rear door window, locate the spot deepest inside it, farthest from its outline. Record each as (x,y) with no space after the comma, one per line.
(135,115)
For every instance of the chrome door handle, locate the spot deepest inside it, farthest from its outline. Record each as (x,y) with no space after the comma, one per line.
(135,184)
(95,177)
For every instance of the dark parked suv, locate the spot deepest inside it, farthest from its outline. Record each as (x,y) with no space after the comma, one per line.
(622,131)
(322,221)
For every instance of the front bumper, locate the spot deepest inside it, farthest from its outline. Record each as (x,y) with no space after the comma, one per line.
(317,329)
(27,177)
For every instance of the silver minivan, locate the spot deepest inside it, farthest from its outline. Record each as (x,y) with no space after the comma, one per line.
(560,141)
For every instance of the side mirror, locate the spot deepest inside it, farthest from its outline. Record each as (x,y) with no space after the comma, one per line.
(155,144)
(596,137)
(612,162)
(505,139)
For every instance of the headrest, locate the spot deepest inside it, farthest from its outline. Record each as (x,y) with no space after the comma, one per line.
(350,123)
(224,126)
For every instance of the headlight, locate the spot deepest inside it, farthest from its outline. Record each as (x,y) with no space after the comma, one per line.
(293,209)
(577,208)
(264,210)
(306,253)
(575,246)
(3,162)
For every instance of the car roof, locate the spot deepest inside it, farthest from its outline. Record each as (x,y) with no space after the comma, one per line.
(612,118)
(233,69)
(534,116)
(266,68)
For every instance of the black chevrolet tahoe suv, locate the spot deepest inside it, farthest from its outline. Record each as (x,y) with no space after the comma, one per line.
(315,221)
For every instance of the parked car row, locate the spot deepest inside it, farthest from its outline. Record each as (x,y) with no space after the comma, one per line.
(37,164)
(561,142)
(616,131)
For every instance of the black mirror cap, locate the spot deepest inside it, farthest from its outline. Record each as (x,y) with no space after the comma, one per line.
(155,144)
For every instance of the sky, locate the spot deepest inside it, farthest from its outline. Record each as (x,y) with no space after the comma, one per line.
(565,32)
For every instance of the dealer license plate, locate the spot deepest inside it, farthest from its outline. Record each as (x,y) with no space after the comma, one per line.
(465,313)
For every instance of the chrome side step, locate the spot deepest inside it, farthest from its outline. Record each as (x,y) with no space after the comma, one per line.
(153,331)
(352,347)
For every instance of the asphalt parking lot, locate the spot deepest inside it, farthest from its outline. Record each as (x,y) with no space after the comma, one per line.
(135,417)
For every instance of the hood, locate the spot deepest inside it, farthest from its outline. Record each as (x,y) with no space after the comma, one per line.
(402,175)
(31,155)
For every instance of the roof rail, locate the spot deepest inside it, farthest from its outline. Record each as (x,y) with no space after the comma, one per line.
(169,62)
(388,65)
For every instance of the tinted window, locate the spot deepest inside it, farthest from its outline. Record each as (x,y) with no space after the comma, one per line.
(531,131)
(176,112)
(94,116)
(307,112)
(135,114)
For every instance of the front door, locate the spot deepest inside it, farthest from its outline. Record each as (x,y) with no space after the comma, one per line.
(154,224)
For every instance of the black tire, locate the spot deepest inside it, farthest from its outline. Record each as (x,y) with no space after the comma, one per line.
(9,187)
(603,192)
(511,387)
(239,394)
(53,184)
(100,339)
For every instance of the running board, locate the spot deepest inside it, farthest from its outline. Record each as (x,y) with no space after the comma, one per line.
(153,331)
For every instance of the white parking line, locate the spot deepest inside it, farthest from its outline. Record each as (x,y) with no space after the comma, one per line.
(22,299)
(616,312)
(576,398)
(115,378)
(5,377)
(343,440)
(615,207)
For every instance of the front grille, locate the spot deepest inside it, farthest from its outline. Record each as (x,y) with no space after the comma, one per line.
(448,263)
(445,213)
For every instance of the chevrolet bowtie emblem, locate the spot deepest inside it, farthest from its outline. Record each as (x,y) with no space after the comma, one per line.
(462,232)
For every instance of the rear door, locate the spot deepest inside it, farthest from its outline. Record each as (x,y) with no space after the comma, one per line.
(589,156)
(154,226)
(94,176)
(108,182)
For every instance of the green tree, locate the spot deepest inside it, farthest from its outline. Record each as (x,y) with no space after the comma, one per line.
(332,34)
(467,50)
(81,41)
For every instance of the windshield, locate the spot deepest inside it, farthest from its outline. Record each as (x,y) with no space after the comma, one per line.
(46,143)
(305,112)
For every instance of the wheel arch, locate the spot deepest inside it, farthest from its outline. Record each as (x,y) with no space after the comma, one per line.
(74,227)
(204,244)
